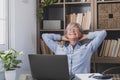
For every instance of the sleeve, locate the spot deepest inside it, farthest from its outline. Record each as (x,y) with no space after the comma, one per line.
(50,40)
(97,38)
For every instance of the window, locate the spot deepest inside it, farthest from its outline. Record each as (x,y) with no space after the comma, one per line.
(4,17)
(2,21)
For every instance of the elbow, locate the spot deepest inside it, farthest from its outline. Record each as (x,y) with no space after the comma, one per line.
(44,35)
(104,33)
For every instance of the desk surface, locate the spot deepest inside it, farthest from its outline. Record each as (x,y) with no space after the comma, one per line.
(79,76)
(25,77)
(89,76)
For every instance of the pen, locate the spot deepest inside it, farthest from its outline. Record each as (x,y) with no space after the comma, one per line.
(91,76)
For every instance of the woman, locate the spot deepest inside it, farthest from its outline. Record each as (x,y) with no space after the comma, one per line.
(79,55)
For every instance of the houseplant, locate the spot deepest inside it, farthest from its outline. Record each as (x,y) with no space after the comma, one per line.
(42,5)
(10,62)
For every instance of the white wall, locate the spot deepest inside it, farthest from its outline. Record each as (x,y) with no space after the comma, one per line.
(25,30)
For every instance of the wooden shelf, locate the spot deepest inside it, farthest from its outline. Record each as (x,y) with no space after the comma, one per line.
(109,29)
(77,2)
(61,3)
(53,30)
(72,3)
(107,1)
(107,59)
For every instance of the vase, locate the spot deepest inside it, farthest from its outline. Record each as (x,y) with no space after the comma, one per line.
(10,75)
(2,75)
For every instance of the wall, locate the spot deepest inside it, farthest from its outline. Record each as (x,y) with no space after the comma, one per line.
(24,31)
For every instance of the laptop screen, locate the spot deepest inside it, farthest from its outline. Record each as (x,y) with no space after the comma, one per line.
(49,67)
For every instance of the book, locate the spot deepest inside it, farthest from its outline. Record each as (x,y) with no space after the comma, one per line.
(102,48)
(44,48)
(105,44)
(107,47)
(79,18)
(118,49)
(115,42)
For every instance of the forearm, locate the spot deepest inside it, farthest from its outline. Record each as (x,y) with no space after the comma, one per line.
(50,40)
(64,38)
(84,37)
(97,38)
(97,34)
(54,37)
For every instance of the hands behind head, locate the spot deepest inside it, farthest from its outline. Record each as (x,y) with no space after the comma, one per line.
(64,38)
(83,37)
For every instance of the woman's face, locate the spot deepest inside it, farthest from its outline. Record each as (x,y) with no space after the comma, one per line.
(73,33)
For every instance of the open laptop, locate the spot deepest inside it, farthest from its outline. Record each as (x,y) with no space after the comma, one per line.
(49,67)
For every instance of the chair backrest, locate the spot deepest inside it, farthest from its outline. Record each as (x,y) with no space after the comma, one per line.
(112,70)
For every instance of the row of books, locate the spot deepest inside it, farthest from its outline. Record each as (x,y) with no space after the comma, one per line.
(110,48)
(45,49)
(84,19)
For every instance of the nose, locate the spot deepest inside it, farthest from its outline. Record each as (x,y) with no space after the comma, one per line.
(72,30)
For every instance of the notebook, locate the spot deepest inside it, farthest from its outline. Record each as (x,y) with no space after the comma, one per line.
(49,67)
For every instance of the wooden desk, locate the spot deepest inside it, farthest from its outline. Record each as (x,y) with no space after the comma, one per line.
(86,76)
(115,76)
(25,77)
(29,77)
(89,76)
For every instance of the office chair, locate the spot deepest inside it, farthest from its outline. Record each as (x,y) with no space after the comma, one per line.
(112,70)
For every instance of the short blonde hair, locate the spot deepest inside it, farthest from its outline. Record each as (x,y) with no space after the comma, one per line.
(74,24)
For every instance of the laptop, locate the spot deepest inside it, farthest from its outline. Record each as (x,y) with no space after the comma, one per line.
(49,67)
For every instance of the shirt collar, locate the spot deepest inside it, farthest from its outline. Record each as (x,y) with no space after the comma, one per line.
(76,46)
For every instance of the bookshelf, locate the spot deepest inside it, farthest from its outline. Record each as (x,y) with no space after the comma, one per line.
(64,11)
(107,17)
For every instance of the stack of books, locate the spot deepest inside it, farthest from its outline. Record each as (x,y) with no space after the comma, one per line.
(84,19)
(110,48)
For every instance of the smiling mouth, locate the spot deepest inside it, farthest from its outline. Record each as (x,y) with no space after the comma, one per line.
(72,34)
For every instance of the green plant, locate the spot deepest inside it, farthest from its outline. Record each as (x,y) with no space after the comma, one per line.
(9,59)
(43,4)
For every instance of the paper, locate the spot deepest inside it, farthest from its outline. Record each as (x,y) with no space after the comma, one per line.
(89,76)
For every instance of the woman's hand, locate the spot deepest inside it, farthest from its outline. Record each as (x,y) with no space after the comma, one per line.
(84,36)
(64,38)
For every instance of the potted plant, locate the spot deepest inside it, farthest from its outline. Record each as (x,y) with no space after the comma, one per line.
(10,62)
(42,5)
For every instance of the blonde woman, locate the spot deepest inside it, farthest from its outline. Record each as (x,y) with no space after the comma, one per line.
(79,55)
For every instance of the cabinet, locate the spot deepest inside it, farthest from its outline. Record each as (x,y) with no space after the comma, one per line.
(108,15)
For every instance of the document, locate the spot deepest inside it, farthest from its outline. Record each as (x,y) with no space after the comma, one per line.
(92,76)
